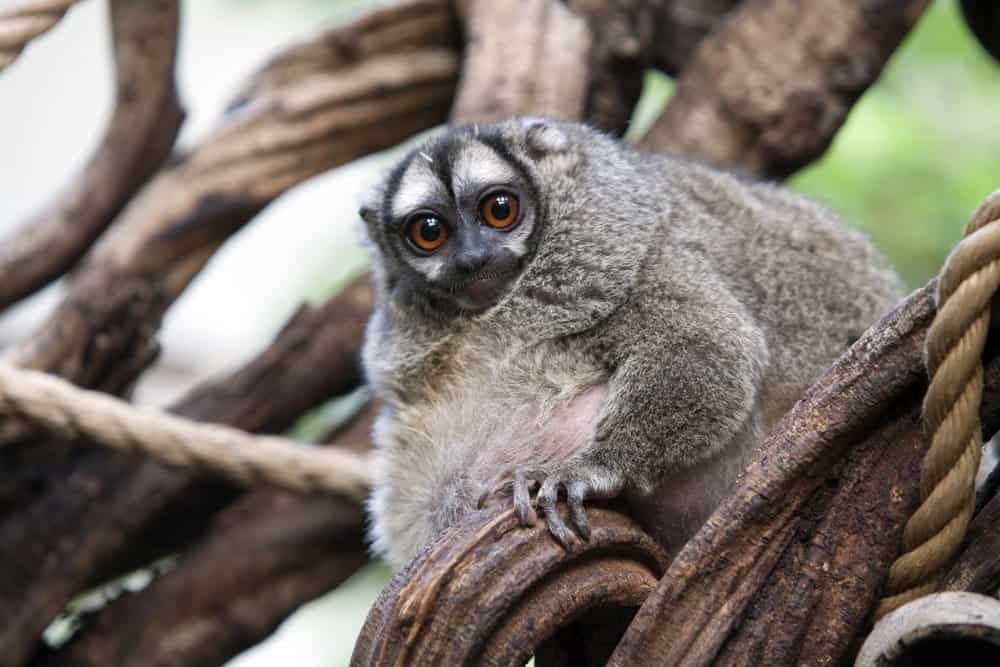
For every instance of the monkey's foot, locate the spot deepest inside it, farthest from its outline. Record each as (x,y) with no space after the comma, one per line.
(576,481)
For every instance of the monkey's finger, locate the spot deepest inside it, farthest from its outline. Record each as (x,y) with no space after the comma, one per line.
(575,493)
(522,500)
(548,495)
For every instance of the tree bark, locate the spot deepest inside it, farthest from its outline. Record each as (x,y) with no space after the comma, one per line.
(816,522)
(82,514)
(145,121)
(259,559)
(484,594)
(766,92)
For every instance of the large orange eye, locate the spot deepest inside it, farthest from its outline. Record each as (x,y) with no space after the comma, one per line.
(499,210)
(427,233)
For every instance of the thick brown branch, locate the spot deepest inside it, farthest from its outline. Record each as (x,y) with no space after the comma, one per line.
(515,584)
(71,518)
(680,27)
(501,75)
(768,90)
(802,547)
(583,59)
(271,142)
(261,558)
(138,138)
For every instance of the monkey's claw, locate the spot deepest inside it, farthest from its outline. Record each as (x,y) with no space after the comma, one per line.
(548,498)
(522,498)
(576,484)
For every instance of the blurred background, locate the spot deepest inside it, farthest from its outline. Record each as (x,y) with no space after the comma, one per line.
(917,154)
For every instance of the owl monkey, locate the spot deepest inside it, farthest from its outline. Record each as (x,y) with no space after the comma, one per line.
(560,318)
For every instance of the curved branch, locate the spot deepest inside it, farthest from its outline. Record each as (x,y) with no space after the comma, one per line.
(768,90)
(803,545)
(271,142)
(138,138)
(517,584)
(85,514)
(259,559)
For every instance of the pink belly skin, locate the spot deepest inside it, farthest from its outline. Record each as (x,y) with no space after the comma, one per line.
(527,439)
(672,513)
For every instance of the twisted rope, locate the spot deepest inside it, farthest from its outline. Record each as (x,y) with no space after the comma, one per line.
(25,21)
(58,406)
(953,355)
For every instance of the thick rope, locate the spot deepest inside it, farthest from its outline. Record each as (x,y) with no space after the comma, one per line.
(25,21)
(57,405)
(953,355)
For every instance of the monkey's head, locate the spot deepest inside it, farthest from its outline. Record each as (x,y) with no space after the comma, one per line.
(460,217)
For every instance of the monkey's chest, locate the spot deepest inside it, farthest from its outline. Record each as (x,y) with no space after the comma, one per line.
(490,412)
(508,405)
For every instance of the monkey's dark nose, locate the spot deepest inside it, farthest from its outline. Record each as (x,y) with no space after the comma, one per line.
(473,253)
(472,260)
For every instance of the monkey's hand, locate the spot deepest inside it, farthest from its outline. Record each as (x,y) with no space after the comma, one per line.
(577,480)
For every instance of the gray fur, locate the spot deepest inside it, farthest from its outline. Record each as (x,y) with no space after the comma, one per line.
(656,316)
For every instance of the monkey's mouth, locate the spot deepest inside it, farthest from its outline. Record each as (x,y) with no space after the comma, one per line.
(482,291)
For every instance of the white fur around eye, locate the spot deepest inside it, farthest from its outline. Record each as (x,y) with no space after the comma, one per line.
(418,186)
(477,167)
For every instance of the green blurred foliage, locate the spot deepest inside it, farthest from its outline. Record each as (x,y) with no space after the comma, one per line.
(921,149)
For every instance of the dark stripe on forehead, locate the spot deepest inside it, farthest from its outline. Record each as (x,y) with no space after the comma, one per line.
(443,153)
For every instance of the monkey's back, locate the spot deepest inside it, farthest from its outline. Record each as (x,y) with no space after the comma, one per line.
(812,283)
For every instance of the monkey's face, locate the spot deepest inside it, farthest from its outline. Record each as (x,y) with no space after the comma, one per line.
(458,219)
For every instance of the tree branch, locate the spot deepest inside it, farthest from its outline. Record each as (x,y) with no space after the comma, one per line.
(259,559)
(767,91)
(517,583)
(138,138)
(73,516)
(815,523)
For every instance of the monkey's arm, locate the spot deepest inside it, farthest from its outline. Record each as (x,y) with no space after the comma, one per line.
(687,368)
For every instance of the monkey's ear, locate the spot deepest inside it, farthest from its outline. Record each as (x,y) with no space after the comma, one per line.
(368,214)
(370,206)
(544,136)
